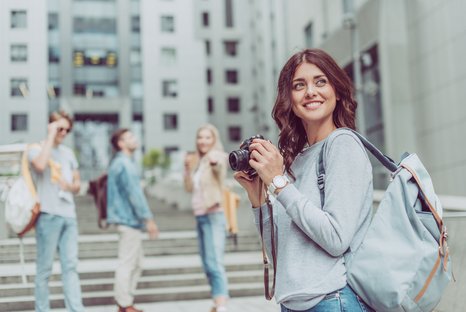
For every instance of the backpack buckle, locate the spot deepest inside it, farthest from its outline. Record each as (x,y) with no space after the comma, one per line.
(321,181)
(394,173)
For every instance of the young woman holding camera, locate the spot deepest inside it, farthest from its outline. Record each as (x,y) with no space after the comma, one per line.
(314,100)
(205,172)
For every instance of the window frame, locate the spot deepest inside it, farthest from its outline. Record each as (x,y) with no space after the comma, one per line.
(232,76)
(23,55)
(14,123)
(167,28)
(170,125)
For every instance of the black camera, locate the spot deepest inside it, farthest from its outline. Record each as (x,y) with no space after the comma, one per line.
(239,159)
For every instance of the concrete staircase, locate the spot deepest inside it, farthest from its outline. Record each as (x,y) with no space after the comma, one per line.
(172,268)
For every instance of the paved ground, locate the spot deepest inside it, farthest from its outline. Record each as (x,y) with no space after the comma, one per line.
(245,304)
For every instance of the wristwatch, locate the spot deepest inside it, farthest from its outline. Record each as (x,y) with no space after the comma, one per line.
(278,182)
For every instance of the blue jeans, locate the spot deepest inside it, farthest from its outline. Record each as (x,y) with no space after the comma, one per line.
(341,300)
(52,233)
(211,236)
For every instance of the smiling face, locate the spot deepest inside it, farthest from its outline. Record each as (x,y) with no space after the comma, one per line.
(314,98)
(204,141)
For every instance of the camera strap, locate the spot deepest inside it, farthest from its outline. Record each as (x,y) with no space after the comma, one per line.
(269,293)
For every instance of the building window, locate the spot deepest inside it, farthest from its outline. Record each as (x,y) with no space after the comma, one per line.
(234,133)
(53,21)
(230,47)
(205,19)
(94,57)
(78,58)
(169,88)
(170,121)
(135,57)
(210,105)
(18,53)
(231,76)
(79,89)
(229,13)
(209,76)
(308,35)
(94,25)
(19,122)
(53,89)
(233,105)
(18,19)
(170,149)
(168,56)
(19,87)
(207,47)
(135,24)
(54,54)
(92,90)
(167,23)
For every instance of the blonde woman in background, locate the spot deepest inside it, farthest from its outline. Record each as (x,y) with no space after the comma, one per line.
(204,175)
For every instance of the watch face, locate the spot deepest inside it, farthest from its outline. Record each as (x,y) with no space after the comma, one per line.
(279,181)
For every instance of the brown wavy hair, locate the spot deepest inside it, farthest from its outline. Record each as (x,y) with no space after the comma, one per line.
(54,116)
(292,137)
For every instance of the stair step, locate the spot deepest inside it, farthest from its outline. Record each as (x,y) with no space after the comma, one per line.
(20,303)
(172,269)
(157,281)
(106,246)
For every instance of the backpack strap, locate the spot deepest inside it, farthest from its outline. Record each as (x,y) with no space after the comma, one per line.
(386,161)
(321,175)
(26,173)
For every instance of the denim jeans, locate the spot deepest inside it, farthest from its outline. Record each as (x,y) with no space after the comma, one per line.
(341,300)
(52,233)
(211,237)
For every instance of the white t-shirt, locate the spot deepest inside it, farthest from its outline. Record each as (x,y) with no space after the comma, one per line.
(53,199)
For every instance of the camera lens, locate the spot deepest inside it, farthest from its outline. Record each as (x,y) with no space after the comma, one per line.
(239,160)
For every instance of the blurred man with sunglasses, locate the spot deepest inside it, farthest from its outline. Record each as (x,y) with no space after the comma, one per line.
(56,176)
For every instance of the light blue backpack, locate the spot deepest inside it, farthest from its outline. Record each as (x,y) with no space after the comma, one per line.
(403,262)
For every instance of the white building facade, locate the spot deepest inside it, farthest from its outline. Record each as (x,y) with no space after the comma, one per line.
(233,95)
(173,75)
(23,46)
(164,67)
(413,74)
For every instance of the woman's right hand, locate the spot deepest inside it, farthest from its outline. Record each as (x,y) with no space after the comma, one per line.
(188,162)
(253,187)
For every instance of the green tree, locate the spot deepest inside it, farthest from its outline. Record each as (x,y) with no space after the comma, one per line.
(154,159)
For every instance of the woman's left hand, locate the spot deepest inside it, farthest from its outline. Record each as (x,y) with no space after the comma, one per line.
(215,157)
(266,159)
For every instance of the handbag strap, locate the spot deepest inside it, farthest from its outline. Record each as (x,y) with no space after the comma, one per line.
(269,292)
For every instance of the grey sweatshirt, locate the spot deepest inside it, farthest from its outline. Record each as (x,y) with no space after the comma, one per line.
(311,241)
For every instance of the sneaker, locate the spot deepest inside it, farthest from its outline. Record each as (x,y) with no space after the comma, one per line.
(128,309)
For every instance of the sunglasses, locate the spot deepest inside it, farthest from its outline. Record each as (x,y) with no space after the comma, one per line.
(67,130)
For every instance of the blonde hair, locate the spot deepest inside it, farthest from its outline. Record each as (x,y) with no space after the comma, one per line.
(218,146)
